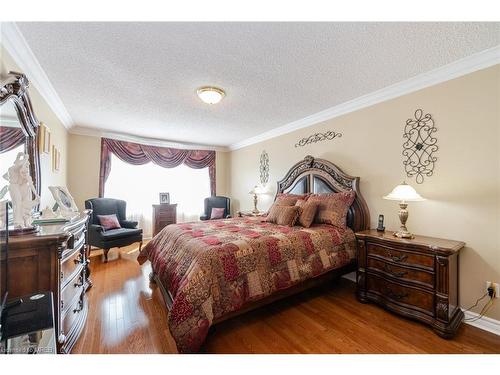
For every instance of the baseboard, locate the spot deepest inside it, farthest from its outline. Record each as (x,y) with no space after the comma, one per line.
(485,323)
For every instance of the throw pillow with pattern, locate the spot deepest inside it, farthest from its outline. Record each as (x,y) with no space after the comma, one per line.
(283,215)
(333,208)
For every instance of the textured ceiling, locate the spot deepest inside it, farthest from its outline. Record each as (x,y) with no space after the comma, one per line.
(141,78)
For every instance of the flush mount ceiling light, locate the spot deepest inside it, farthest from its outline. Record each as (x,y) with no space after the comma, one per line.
(210,94)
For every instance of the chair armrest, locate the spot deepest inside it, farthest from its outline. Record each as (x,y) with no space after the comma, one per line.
(204,217)
(131,224)
(228,217)
(94,228)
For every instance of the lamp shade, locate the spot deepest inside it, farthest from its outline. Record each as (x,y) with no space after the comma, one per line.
(404,192)
(257,190)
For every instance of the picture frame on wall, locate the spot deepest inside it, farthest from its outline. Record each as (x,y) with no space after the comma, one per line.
(164,198)
(44,139)
(56,159)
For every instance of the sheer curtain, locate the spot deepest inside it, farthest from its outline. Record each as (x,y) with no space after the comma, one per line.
(140,185)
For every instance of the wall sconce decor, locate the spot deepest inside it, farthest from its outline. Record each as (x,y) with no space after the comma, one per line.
(264,168)
(318,137)
(419,147)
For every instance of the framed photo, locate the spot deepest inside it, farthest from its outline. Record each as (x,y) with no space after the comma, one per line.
(63,198)
(164,198)
(44,139)
(56,159)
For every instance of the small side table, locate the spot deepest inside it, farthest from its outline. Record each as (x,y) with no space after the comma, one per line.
(250,214)
(416,278)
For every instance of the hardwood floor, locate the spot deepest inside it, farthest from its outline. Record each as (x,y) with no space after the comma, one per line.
(127,316)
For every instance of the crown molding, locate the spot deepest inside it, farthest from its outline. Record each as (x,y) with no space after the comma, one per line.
(485,323)
(92,132)
(470,64)
(15,44)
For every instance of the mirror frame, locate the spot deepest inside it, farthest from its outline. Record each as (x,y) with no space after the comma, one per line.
(15,89)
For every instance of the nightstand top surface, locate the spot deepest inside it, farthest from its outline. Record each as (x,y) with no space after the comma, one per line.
(433,243)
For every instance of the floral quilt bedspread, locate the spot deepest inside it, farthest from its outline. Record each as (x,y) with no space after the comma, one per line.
(214,267)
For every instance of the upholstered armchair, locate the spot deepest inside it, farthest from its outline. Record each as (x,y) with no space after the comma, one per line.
(216,202)
(106,239)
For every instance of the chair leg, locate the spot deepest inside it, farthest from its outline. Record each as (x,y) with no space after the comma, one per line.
(106,251)
(140,246)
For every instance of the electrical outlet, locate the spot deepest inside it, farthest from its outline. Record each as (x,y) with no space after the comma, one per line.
(496,287)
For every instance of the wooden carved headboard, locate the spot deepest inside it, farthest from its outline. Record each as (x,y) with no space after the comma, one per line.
(318,176)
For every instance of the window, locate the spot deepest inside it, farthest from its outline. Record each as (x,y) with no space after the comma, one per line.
(140,186)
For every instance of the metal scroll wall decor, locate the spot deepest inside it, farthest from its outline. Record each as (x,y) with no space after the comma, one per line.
(264,168)
(419,146)
(318,137)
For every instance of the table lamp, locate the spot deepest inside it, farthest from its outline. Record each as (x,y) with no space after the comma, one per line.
(256,190)
(404,193)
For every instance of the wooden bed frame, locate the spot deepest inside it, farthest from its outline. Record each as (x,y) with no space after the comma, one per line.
(309,175)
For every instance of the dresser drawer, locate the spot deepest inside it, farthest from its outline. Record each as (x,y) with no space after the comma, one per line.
(72,318)
(397,256)
(71,264)
(169,215)
(72,290)
(402,295)
(411,275)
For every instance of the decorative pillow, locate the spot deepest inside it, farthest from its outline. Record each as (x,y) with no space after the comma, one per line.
(333,208)
(109,221)
(307,212)
(283,215)
(285,199)
(217,213)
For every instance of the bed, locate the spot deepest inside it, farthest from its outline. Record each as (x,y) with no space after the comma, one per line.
(212,271)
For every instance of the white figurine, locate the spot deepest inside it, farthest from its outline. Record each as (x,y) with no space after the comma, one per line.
(21,191)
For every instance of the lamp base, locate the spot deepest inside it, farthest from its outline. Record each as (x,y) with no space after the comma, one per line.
(255,211)
(403,234)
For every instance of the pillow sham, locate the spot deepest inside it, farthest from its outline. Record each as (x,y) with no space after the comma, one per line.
(285,199)
(307,212)
(109,221)
(333,208)
(217,213)
(283,215)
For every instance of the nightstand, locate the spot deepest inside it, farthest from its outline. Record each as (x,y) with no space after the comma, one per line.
(250,214)
(416,278)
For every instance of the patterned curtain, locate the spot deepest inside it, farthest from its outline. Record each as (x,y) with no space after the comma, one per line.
(137,154)
(10,138)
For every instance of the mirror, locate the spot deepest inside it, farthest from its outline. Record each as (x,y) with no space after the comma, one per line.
(18,126)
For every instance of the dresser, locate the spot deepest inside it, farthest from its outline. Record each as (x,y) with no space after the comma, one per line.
(417,278)
(163,215)
(53,259)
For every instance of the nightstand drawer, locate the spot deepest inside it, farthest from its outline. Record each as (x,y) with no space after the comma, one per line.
(397,256)
(406,296)
(417,277)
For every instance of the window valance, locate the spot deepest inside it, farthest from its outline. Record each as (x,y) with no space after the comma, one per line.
(137,154)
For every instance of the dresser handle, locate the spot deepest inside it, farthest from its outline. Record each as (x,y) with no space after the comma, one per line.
(397,258)
(79,283)
(79,308)
(397,274)
(397,296)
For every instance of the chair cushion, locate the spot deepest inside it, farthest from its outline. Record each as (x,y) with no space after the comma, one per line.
(109,221)
(114,234)
(217,213)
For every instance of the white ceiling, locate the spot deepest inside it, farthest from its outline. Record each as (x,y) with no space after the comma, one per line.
(141,78)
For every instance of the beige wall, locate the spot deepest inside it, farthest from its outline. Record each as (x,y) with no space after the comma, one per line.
(59,134)
(464,193)
(84,163)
